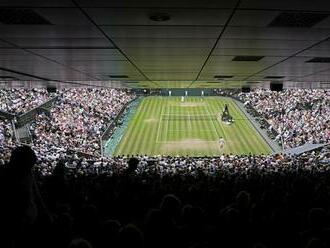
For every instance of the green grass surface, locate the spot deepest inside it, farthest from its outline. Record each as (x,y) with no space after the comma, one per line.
(168,126)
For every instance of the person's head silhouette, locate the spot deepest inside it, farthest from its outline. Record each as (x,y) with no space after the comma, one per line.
(23,158)
(132,164)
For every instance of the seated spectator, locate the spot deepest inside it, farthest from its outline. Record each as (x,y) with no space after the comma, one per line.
(299,116)
(20,100)
(78,119)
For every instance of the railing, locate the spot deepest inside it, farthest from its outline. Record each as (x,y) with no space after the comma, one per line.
(23,119)
(272,133)
(109,131)
(6,115)
(30,115)
(12,123)
(18,121)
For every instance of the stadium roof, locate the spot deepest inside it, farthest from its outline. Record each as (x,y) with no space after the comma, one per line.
(169,43)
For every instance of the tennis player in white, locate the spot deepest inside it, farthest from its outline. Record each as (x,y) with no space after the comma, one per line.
(221,142)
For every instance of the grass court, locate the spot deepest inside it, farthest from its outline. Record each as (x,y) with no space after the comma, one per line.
(170,126)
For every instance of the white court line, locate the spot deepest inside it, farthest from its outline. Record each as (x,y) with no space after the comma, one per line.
(183,130)
(180,141)
(166,127)
(215,128)
(159,124)
(187,115)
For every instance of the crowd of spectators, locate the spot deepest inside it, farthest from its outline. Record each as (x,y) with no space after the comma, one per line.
(6,140)
(252,201)
(5,132)
(56,199)
(299,116)
(20,100)
(78,119)
(169,166)
(75,122)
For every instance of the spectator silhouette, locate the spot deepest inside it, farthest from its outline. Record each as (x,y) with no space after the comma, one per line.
(109,234)
(23,186)
(22,201)
(62,230)
(131,236)
(157,227)
(170,206)
(80,243)
(132,165)
(317,222)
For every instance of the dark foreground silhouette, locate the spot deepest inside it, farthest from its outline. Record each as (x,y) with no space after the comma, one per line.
(228,209)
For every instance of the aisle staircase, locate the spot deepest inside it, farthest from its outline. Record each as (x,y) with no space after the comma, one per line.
(23,134)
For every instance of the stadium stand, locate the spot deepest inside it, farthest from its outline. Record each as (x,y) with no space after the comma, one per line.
(61,199)
(299,116)
(165,124)
(18,101)
(79,118)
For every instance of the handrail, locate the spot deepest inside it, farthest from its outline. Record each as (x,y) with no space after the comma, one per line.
(106,134)
(29,116)
(110,129)
(12,122)
(6,115)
